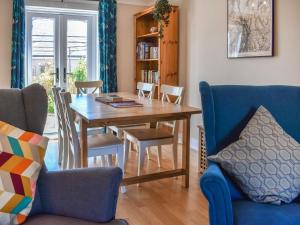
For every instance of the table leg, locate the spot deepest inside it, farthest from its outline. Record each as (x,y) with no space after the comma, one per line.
(84,144)
(186,151)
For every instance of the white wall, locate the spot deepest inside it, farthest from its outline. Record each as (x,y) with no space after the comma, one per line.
(207,57)
(125,46)
(125,39)
(5,42)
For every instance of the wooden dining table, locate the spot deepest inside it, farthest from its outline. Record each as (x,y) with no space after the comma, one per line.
(93,114)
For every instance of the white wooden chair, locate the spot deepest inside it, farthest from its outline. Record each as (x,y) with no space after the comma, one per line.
(147,137)
(62,141)
(145,90)
(98,145)
(89,87)
(83,87)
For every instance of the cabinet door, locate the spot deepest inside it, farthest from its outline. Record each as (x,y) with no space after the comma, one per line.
(169,50)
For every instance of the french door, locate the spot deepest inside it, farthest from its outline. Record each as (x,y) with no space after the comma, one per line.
(61,49)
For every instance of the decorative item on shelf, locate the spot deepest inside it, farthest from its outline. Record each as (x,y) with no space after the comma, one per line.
(161,14)
(250,28)
(153,29)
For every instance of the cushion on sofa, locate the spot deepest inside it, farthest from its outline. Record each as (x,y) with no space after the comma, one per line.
(46,219)
(265,161)
(21,158)
(252,213)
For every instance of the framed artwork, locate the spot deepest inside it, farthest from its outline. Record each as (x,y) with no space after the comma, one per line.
(250,26)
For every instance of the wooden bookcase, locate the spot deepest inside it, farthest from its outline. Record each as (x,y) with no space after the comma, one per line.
(168,47)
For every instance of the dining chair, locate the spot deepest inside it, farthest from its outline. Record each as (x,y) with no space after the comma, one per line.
(63,153)
(83,87)
(98,144)
(164,134)
(144,90)
(89,87)
(62,141)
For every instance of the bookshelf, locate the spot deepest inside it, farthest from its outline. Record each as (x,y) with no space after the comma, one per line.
(156,59)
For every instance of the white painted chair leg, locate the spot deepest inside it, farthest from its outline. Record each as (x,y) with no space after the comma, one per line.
(103,161)
(126,152)
(120,157)
(159,156)
(142,150)
(60,148)
(109,160)
(148,153)
(65,154)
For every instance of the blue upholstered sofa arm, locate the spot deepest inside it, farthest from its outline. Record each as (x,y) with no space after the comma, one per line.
(88,194)
(215,188)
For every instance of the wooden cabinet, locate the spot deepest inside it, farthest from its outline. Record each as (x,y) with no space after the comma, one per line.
(166,62)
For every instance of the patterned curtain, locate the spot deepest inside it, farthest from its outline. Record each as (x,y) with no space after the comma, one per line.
(18,45)
(108,44)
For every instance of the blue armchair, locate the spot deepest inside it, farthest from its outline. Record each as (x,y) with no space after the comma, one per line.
(74,197)
(226,111)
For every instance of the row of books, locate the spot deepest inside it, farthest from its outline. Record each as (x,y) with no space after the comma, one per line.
(150,76)
(146,50)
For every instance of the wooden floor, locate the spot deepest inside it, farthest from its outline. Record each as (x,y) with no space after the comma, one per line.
(164,202)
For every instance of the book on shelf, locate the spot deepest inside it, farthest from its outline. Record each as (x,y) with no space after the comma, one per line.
(146,50)
(154,53)
(150,76)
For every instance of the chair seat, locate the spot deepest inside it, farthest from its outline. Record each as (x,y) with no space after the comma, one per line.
(119,129)
(46,219)
(149,134)
(102,140)
(252,213)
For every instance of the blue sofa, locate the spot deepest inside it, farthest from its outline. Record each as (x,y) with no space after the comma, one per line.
(226,111)
(74,197)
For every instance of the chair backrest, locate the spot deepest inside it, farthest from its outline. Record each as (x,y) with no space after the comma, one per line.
(168,92)
(83,86)
(72,136)
(26,109)
(59,109)
(146,90)
(228,108)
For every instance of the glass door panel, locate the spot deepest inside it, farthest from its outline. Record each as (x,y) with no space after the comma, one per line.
(43,61)
(77,52)
(60,50)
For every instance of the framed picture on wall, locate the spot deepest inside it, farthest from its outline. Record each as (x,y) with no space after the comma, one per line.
(250,26)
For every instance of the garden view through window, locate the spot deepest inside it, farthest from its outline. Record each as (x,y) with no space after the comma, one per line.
(58,54)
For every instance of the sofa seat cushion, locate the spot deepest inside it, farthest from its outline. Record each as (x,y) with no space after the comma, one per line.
(252,213)
(46,219)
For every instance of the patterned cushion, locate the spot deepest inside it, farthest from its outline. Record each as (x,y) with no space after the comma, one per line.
(265,161)
(21,157)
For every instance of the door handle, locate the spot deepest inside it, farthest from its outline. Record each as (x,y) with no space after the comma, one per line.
(65,75)
(56,75)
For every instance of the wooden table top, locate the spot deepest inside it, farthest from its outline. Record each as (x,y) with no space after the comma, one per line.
(91,110)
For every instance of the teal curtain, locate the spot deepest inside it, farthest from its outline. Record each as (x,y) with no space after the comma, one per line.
(108,44)
(18,45)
